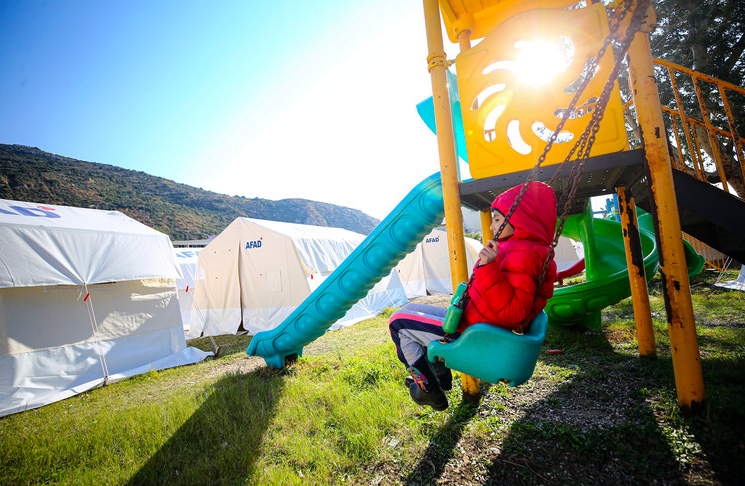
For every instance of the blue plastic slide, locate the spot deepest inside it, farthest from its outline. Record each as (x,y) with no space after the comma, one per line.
(414,217)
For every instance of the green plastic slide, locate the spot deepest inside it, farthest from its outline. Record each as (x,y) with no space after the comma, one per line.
(607,280)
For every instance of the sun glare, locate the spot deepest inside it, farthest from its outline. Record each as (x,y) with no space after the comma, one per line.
(539,61)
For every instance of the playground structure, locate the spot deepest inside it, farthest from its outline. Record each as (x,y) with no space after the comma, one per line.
(506,140)
(713,259)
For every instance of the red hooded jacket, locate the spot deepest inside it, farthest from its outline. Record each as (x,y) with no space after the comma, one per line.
(503,292)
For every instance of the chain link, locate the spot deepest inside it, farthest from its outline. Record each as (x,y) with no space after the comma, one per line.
(584,144)
(587,138)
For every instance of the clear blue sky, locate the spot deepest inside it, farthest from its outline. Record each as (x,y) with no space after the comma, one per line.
(262,99)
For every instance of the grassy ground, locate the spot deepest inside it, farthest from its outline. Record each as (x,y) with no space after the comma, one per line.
(594,414)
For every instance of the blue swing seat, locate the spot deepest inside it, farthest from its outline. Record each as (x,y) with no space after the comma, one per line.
(491,353)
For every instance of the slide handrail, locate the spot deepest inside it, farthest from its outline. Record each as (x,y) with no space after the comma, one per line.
(701,133)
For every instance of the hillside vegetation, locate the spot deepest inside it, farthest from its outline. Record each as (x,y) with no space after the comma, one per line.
(181,211)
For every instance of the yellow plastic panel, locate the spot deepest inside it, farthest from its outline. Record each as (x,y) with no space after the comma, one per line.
(481,16)
(510,106)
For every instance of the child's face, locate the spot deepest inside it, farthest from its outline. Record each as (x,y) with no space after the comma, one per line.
(496,221)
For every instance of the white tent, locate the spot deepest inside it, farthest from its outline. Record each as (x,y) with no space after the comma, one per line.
(426,270)
(86,297)
(389,292)
(737,284)
(256,272)
(186,258)
(567,253)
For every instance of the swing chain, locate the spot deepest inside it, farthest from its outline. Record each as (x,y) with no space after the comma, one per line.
(570,109)
(584,144)
(587,139)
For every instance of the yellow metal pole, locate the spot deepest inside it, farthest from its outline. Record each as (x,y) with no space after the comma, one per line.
(711,135)
(733,129)
(470,384)
(681,326)
(464,40)
(635,262)
(448,162)
(686,127)
(486,232)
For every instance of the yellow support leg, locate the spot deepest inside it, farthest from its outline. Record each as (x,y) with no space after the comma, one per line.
(635,262)
(486,232)
(448,161)
(683,340)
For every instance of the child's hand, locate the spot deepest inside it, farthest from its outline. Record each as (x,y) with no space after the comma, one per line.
(489,253)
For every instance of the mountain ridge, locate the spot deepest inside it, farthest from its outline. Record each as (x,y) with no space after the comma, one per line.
(181,211)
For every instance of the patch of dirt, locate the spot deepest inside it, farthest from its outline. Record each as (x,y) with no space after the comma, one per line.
(239,365)
(438,300)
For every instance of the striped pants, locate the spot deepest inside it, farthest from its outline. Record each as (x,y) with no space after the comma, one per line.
(413,327)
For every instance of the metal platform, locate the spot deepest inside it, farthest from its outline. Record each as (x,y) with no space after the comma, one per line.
(706,212)
(601,176)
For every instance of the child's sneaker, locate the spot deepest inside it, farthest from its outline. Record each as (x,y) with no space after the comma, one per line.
(444,375)
(424,387)
(435,398)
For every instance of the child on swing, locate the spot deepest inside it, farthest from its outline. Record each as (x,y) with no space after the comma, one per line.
(503,291)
